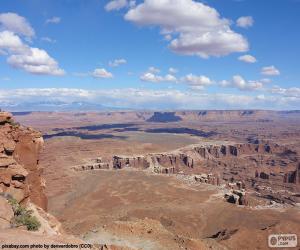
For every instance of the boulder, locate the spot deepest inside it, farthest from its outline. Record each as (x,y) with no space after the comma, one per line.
(9,146)
(231,198)
(264,176)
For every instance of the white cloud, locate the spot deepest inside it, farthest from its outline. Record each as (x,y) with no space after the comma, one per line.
(240,83)
(247,59)
(132,3)
(37,61)
(245,21)
(152,77)
(11,43)
(168,37)
(288,92)
(194,81)
(48,39)
(173,70)
(270,71)
(17,24)
(149,99)
(102,73)
(116,5)
(117,62)
(54,20)
(265,80)
(197,28)
(21,55)
(153,70)
(197,82)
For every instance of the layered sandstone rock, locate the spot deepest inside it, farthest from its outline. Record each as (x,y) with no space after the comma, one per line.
(20,180)
(20,175)
(92,165)
(197,156)
(247,165)
(293,176)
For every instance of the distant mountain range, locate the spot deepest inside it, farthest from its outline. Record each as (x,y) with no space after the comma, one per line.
(56,106)
(53,106)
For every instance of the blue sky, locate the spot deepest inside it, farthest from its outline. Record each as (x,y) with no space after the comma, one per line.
(174,54)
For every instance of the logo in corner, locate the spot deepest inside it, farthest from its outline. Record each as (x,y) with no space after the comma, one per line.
(282,240)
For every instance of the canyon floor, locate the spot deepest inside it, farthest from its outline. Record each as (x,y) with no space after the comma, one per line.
(139,209)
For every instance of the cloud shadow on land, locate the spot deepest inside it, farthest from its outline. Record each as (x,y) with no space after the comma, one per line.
(105,126)
(182,131)
(84,136)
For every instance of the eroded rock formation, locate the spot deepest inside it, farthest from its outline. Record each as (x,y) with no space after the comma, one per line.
(251,165)
(293,176)
(92,165)
(20,175)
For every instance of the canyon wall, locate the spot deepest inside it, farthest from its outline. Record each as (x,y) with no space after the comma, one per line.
(256,163)
(20,175)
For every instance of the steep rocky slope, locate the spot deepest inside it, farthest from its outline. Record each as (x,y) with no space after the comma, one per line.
(22,192)
(20,174)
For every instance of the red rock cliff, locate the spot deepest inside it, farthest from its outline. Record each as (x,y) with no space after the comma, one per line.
(20,175)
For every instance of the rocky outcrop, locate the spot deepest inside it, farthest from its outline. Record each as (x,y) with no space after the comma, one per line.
(197,156)
(167,163)
(207,178)
(140,162)
(244,165)
(293,177)
(22,198)
(235,150)
(237,197)
(20,175)
(94,164)
(164,117)
(5,117)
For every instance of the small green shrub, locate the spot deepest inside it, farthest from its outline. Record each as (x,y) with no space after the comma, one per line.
(14,124)
(22,216)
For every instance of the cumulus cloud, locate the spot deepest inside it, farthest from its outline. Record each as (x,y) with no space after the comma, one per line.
(54,20)
(288,92)
(173,70)
(117,62)
(32,60)
(152,77)
(37,61)
(245,21)
(247,59)
(102,73)
(168,37)
(153,70)
(149,99)
(240,83)
(116,5)
(197,82)
(270,71)
(11,43)
(201,32)
(17,24)
(21,55)
(193,81)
